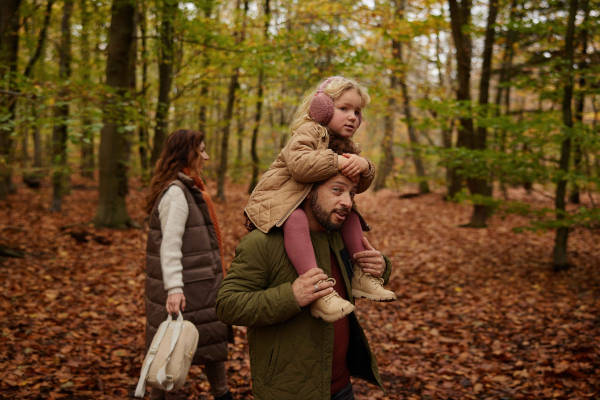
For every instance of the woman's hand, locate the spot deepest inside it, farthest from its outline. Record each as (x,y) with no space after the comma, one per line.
(175,302)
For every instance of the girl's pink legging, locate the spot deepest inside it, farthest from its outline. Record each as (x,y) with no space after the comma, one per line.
(296,239)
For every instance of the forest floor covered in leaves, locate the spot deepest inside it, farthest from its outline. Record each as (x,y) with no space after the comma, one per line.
(480,313)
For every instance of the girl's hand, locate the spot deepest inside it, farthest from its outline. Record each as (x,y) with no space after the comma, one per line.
(342,162)
(175,302)
(354,166)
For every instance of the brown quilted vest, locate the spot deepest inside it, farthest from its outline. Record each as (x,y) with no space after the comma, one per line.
(202,276)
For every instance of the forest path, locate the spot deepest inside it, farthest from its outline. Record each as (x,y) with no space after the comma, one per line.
(480,314)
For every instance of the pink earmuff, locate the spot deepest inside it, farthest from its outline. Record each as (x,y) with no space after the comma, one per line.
(321,106)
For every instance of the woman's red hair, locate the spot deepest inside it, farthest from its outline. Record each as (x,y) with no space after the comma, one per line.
(180,151)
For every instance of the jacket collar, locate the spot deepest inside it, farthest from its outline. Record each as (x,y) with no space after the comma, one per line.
(188,181)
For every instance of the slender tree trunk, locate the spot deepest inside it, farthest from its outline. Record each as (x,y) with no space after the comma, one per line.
(233,86)
(28,72)
(386,163)
(240,125)
(114,143)
(562,233)
(37,142)
(451,178)
(412,134)
(203,99)
(24,159)
(34,177)
(9,50)
(387,143)
(503,90)
(143,135)
(60,174)
(481,186)
(231,93)
(204,85)
(460,19)
(282,120)
(213,141)
(414,141)
(259,104)
(580,103)
(165,75)
(448,128)
(87,161)
(257,118)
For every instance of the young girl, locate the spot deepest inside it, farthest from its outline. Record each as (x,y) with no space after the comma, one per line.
(323,127)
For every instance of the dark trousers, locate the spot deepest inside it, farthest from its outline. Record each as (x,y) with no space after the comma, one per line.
(344,394)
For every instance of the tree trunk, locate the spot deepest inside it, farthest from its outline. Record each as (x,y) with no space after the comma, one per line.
(203,99)
(24,158)
(257,117)
(413,140)
(34,176)
(9,50)
(580,103)
(387,143)
(87,161)
(202,114)
(503,89)
(207,7)
(240,125)
(460,19)
(562,233)
(231,93)
(233,86)
(282,120)
(259,104)
(143,135)
(165,76)
(451,181)
(216,113)
(527,182)
(37,142)
(412,134)
(28,72)
(479,186)
(114,144)
(60,173)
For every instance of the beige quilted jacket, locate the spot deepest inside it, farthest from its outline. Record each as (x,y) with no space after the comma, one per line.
(304,160)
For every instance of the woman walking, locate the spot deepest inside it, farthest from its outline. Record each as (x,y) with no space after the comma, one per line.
(184,255)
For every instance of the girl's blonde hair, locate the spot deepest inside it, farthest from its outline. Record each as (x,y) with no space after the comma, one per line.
(335,88)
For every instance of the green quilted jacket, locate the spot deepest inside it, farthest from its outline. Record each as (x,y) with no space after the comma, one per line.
(290,351)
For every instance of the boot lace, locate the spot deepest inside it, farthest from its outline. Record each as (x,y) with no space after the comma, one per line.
(331,295)
(374,280)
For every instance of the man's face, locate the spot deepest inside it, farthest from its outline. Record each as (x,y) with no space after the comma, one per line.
(331,202)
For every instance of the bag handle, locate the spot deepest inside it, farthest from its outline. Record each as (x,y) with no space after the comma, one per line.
(162,378)
(141,386)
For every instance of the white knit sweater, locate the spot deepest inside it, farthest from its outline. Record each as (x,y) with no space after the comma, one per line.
(173,213)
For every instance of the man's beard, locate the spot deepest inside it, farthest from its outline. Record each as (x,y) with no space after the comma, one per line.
(322,216)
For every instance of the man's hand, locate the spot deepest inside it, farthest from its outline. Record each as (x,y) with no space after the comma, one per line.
(370,261)
(175,302)
(311,286)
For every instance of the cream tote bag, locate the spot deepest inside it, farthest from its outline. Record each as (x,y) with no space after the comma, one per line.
(170,355)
